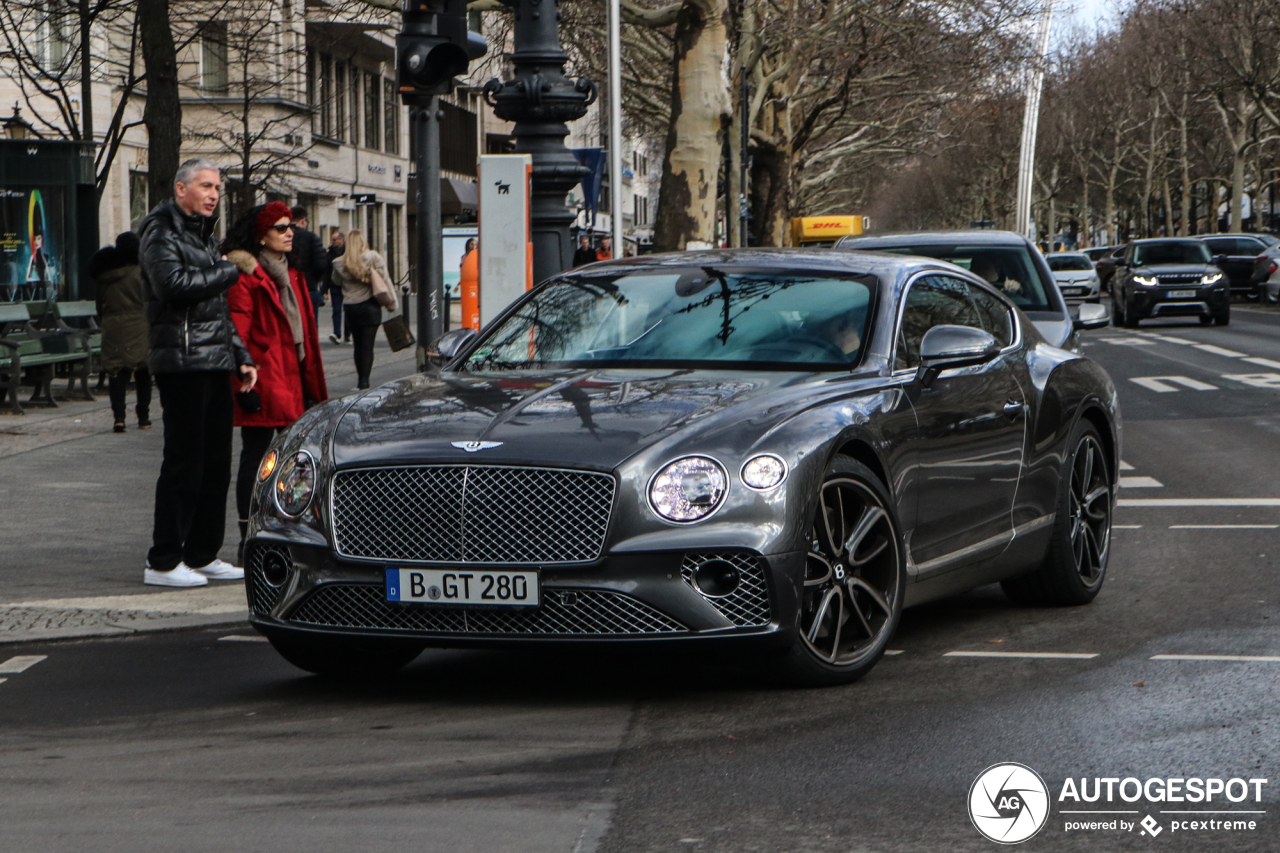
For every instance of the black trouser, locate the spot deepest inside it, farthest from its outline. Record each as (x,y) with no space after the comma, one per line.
(118,384)
(254,441)
(191,493)
(335,296)
(363,319)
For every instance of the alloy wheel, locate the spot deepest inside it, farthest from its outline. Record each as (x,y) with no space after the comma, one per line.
(1090,511)
(852,576)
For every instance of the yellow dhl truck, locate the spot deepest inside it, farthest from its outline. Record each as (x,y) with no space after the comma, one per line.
(826,230)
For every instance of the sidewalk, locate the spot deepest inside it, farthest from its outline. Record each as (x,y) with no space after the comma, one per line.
(78,501)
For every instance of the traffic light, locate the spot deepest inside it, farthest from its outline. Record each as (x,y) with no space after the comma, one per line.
(435,46)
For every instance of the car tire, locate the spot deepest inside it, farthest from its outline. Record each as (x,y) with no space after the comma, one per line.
(850,597)
(346,657)
(1206,319)
(1075,565)
(1129,321)
(1223,319)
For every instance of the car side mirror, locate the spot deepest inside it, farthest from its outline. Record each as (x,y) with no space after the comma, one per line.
(1219,259)
(451,343)
(1090,316)
(945,347)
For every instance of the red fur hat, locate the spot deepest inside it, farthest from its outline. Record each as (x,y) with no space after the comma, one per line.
(271,212)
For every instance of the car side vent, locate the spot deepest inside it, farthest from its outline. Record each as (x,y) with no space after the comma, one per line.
(733,582)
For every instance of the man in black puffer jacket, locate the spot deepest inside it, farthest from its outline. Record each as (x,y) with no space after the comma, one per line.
(195,350)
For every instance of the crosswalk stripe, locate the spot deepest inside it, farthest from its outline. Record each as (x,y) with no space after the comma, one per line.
(1140,483)
(21,663)
(1229,353)
(1050,655)
(1240,658)
(1198,502)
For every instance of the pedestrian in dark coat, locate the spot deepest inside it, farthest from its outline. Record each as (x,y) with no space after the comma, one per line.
(585,253)
(269,308)
(194,349)
(122,315)
(337,247)
(312,259)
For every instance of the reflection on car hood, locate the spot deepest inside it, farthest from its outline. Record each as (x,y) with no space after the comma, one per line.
(1053,327)
(593,419)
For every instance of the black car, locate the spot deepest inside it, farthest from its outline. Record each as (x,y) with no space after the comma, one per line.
(1007,261)
(1236,255)
(773,451)
(1169,277)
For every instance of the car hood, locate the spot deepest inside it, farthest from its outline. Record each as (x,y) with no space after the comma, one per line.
(594,419)
(1175,269)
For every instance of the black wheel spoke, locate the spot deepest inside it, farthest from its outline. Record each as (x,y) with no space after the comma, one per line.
(872,593)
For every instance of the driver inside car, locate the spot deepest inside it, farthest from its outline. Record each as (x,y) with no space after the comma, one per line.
(984,267)
(841,330)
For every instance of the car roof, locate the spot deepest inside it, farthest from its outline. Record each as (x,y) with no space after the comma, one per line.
(1066,255)
(976,237)
(1146,241)
(889,268)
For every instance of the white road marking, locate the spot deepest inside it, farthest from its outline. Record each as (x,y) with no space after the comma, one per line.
(893,651)
(1237,658)
(21,663)
(1126,527)
(1140,483)
(1169,339)
(1229,353)
(1264,362)
(1125,466)
(1257,380)
(242,638)
(1223,526)
(3,680)
(1198,502)
(1050,655)
(1130,342)
(1164,384)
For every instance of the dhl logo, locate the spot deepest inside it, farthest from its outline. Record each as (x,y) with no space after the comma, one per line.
(816,225)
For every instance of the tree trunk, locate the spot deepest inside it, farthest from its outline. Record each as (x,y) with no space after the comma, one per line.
(163,113)
(699,106)
(1184,163)
(1168,206)
(1237,189)
(86,71)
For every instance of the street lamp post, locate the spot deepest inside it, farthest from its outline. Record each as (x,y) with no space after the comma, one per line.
(1030,122)
(539,99)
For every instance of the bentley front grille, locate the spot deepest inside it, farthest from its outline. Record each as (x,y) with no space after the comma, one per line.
(746,603)
(471,514)
(269,567)
(564,613)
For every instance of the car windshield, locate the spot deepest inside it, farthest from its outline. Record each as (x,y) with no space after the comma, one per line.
(1008,268)
(1069,263)
(1171,252)
(684,317)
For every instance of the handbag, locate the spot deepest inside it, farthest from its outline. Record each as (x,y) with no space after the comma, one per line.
(396,329)
(385,295)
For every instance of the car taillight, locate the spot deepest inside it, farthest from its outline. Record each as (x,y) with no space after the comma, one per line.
(1272,268)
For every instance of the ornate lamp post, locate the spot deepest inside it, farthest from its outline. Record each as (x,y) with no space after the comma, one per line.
(15,126)
(539,99)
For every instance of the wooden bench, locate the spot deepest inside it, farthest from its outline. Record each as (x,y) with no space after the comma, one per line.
(35,353)
(68,327)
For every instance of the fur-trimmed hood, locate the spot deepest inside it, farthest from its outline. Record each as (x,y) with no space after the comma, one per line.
(244,261)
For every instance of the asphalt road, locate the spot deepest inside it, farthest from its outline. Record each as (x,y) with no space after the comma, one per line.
(189,741)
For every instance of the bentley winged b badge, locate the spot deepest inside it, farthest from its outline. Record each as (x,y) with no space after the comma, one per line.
(473,446)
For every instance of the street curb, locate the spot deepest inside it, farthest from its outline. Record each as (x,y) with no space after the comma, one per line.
(109,627)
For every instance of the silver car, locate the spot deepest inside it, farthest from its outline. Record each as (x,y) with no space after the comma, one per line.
(1076,276)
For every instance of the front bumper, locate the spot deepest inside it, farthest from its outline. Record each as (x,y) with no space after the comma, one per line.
(636,597)
(1156,302)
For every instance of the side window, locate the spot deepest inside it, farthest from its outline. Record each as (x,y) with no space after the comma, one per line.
(995,315)
(932,301)
(1221,246)
(1247,246)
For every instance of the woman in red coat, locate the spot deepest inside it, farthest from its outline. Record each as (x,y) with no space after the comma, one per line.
(271,309)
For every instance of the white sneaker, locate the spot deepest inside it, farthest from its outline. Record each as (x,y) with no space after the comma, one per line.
(335,339)
(178,576)
(219,570)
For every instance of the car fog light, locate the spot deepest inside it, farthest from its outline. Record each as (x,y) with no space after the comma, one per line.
(764,472)
(716,578)
(688,489)
(268,465)
(295,483)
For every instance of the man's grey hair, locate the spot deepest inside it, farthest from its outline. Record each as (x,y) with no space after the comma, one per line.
(189,168)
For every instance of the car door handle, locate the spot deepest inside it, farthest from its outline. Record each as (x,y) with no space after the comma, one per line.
(1013,409)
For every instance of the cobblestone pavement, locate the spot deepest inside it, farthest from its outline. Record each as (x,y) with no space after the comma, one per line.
(62,618)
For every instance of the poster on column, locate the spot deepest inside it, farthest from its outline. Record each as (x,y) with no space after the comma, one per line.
(32,244)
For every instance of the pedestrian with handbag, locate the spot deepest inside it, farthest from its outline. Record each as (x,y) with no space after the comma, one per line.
(272,312)
(366,290)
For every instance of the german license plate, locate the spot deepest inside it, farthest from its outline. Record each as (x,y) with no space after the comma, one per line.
(464,586)
(1182,294)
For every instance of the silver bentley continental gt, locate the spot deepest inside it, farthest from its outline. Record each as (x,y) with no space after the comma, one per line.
(770,450)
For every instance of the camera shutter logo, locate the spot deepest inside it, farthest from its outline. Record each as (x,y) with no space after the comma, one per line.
(1009,803)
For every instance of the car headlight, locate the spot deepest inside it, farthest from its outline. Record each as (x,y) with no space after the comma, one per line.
(296,483)
(688,489)
(1147,280)
(268,465)
(764,472)
(1211,278)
